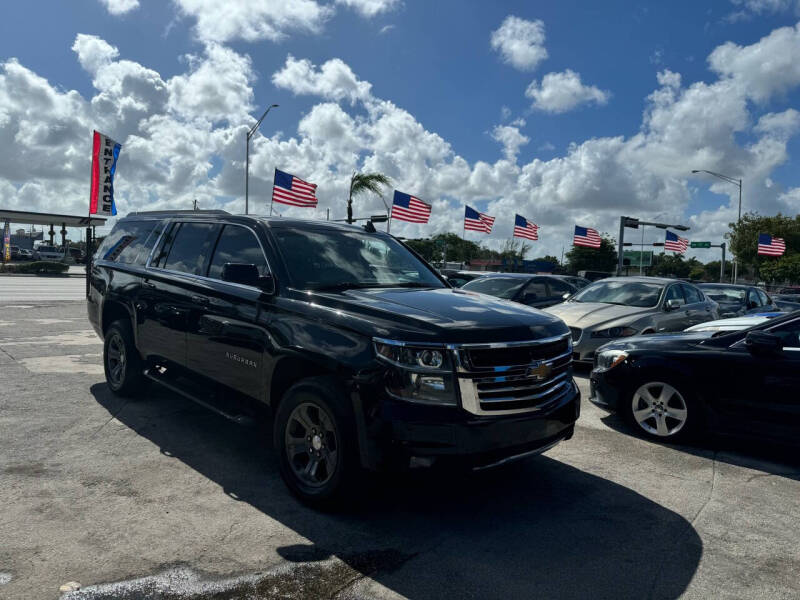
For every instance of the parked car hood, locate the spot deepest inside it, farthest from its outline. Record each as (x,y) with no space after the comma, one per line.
(434,315)
(660,342)
(587,314)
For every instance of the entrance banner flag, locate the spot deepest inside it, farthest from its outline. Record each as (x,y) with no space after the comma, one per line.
(105,153)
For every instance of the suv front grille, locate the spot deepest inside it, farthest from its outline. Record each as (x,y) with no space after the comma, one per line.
(513,378)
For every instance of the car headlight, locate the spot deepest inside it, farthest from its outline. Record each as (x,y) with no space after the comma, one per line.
(614,332)
(422,374)
(608,359)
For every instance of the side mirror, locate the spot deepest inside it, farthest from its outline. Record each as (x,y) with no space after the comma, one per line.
(762,342)
(566,296)
(246,274)
(673,304)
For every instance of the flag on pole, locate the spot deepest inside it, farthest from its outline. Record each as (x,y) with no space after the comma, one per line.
(525,229)
(7,242)
(289,189)
(105,153)
(586,236)
(410,208)
(475,221)
(675,243)
(770,246)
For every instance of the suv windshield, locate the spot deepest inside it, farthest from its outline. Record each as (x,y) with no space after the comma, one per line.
(627,293)
(502,287)
(330,259)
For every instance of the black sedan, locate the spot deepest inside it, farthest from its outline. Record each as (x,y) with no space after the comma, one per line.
(673,386)
(737,300)
(538,291)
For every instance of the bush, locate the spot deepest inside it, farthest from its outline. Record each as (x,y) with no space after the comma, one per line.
(38,267)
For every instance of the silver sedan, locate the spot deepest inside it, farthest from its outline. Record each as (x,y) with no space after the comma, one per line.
(625,306)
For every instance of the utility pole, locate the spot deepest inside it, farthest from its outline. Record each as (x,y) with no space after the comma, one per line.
(250,133)
(737,182)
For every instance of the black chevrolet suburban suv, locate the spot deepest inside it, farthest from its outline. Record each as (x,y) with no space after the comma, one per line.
(356,350)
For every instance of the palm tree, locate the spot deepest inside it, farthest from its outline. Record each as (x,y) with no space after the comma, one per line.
(365,182)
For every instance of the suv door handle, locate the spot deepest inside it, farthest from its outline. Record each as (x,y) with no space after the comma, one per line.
(200,300)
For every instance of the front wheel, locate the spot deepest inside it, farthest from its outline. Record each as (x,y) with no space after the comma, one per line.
(663,410)
(314,436)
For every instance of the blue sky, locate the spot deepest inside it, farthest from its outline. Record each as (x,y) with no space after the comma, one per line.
(433,61)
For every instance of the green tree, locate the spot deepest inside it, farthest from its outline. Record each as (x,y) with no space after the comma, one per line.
(743,238)
(365,182)
(603,258)
(783,269)
(670,265)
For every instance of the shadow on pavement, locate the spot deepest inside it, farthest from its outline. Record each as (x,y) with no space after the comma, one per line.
(749,453)
(536,529)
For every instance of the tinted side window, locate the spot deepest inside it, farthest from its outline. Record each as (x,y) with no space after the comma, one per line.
(789,334)
(674,292)
(692,294)
(535,289)
(753,301)
(190,248)
(559,288)
(237,245)
(127,241)
(765,300)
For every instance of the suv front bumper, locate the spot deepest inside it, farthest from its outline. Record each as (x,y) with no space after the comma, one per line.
(445,434)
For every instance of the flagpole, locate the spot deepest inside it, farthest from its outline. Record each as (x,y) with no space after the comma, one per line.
(272,200)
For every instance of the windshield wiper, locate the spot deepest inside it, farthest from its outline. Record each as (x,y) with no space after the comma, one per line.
(405,284)
(342,286)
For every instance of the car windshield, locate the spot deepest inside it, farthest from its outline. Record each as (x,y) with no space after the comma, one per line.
(331,259)
(626,293)
(502,287)
(727,295)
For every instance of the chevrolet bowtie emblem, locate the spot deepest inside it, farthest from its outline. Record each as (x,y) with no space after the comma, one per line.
(539,371)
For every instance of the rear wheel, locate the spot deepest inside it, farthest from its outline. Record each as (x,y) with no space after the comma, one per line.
(315,438)
(121,362)
(663,410)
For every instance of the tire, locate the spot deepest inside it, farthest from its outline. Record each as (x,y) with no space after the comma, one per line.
(314,425)
(663,408)
(121,361)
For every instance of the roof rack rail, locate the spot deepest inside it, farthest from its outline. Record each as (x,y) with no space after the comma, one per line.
(179,212)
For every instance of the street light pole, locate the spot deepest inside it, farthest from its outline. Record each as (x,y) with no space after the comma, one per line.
(250,133)
(737,182)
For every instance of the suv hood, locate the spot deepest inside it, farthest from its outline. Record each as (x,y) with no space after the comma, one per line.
(660,342)
(589,314)
(434,315)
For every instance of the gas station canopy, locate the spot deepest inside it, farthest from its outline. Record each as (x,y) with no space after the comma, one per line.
(36,218)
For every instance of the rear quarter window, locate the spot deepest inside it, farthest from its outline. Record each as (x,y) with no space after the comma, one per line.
(129,242)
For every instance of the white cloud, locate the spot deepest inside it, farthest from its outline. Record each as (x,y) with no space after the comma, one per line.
(334,80)
(370,8)
(511,139)
(520,42)
(386,29)
(254,20)
(561,92)
(748,8)
(764,69)
(120,7)
(217,88)
(782,125)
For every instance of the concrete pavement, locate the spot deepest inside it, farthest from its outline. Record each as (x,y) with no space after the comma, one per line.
(158,498)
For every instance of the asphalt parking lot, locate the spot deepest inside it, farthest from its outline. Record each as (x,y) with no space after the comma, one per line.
(158,498)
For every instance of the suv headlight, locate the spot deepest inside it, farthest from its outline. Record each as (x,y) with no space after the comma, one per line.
(422,374)
(608,359)
(614,332)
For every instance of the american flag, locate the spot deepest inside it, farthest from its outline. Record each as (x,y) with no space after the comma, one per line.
(410,208)
(770,246)
(288,189)
(475,221)
(675,243)
(525,229)
(586,236)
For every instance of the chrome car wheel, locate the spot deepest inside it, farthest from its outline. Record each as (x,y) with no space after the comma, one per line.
(659,409)
(312,444)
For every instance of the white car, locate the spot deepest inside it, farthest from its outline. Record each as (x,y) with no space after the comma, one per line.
(50,253)
(735,323)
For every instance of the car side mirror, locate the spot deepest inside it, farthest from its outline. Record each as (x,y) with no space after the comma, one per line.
(565,296)
(246,274)
(762,342)
(672,304)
